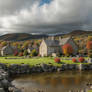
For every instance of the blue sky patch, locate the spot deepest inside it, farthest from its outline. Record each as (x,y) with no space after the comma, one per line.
(42,2)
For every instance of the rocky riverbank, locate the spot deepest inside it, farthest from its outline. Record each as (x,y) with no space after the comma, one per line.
(5,83)
(7,71)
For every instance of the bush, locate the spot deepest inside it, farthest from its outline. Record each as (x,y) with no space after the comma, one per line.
(90,55)
(33,53)
(15,53)
(39,55)
(25,53)
(81,59)
(21,54)
(74,60)
(57,60)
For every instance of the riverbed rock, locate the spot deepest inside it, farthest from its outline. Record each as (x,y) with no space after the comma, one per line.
(14,89)
(2,90)
(3,66)
(90,66)
(5,83)
(59,69)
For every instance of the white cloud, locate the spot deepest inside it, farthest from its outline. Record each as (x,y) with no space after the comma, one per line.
(57,16)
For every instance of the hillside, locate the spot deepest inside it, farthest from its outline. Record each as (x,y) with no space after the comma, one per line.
(21,37)
(80,33)
(26,36)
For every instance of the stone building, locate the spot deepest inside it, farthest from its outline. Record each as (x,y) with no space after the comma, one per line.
(7,50)
(51,47)
(70,41)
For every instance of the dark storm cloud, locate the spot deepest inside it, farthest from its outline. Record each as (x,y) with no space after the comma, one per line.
(56,16)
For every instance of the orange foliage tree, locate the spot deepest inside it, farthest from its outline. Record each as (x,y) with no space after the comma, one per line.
(67,49)
(89,48)
(89,45)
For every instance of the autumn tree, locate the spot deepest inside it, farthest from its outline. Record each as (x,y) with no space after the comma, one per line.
(67,49)
(25,53)
(26,44)
(89,38)
(89,48)
(33,53)
(4,43)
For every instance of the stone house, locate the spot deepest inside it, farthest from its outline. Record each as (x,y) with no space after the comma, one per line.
(7,50)
(70,41)
(49,47)
(52,47)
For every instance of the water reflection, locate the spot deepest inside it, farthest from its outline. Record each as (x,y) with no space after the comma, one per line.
(55,82)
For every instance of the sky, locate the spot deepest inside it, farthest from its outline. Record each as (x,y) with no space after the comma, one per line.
(45,16)
(42,2)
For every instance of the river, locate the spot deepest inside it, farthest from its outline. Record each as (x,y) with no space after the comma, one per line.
(54,82)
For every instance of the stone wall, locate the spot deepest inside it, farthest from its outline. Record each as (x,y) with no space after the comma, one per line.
(26,69)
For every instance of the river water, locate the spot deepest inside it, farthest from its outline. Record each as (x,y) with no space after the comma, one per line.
(55,82)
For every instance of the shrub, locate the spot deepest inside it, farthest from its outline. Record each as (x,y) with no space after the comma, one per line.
(74,60)
(57,60)
(39,55)
(21,54)
(81,59)
(90,55)
(33,53)
(25,53)
(15,53)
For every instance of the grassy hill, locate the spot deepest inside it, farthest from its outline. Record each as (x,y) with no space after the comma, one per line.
(21,37)
(26,36)
(79,33)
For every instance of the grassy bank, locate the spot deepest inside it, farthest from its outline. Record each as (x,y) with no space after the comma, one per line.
(35,60)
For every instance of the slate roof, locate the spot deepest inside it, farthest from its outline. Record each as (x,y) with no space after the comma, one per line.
(56,42)
(64,40)
(52,42)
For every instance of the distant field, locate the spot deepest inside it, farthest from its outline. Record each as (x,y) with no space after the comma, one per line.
(35,60)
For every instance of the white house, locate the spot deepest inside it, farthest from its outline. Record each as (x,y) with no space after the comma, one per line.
(7,50)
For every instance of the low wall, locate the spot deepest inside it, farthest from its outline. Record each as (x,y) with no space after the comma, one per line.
(26,69)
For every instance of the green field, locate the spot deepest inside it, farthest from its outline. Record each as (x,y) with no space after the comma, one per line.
(90,91)
(34,61)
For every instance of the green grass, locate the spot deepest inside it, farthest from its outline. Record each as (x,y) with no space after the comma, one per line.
(90,91)
(34,61)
